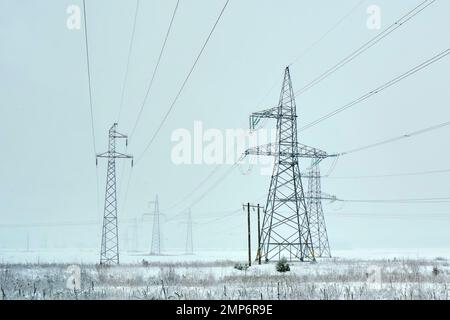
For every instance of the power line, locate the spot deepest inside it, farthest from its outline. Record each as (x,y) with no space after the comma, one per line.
(202,182)
(272,87)
(321,38)
(49,224)
(57,224)
(395,139)
(222,227)
(219,181)
(122,174)
(169,29)
(409,135)
(224,213)
(155,70)
(130,176)
(230,214)
(315,43)
(195,189)
(332,167)
(205,180)
(89,76)
(383,87)
(203,195)
(339,22)
(419,173)
(410,200)
(208,216)
(184,83)
(397,24)
(215,169)
(91,109)
(395,216)
(130,49)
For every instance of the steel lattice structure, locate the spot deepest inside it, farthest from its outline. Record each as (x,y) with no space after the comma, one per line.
(286,227)
(318,228)
(109,253)
(156,233)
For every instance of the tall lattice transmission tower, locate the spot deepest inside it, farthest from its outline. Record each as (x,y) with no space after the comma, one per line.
(285,230)
(156,246)
(315,196)
(109,252)
(189,238)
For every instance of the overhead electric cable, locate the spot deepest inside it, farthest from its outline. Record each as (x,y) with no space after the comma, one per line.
(395,139)
(89,77)
(418,173)
(155,70)
(130,49)
(410,200)
(381,88)
(328,32)
(183,84)
(397,24)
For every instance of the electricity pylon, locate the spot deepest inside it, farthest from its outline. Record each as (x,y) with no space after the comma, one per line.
(189,239)
(318,227)
(286,226)
(109,253)
(156,245)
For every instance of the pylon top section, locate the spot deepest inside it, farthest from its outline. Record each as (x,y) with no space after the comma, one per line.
(286,107)
(112,153)
(285,111)
(114,134)
(287,97)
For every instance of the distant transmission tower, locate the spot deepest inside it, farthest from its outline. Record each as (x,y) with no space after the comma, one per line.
(109,253)
(189,239)
(157,232)
(318,228)
(285,231)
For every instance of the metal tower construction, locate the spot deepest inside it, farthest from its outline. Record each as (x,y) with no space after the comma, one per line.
(285,231)
(157,232)
(109,253)
(189,239)
(318,228)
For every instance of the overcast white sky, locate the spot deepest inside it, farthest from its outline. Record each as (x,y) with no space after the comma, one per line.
(48,173)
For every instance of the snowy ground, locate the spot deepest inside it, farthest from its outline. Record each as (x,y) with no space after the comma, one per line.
(384,274)
(91,256)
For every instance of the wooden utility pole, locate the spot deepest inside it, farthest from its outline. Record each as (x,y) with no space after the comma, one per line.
(259,236)
(258,251)
(249,236)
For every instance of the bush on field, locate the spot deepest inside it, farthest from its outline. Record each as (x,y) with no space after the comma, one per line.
(241,267)
(282,265)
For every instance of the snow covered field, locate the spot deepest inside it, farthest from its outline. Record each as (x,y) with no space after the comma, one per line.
(91,256)
(211,275)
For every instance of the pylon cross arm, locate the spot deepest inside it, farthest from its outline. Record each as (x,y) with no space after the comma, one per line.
(118,135)
(326,196)
(322,196)
(272,113)
(114,155)
(256,117)
(303,151)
